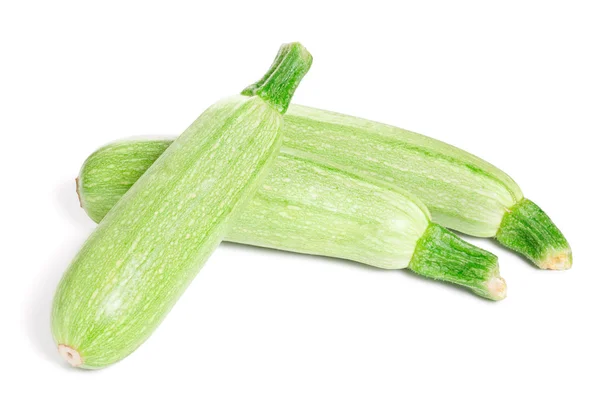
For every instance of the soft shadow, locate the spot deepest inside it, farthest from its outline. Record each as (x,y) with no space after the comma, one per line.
(354,264)
(67,203)
(445,285)
(252,248)
(38,317)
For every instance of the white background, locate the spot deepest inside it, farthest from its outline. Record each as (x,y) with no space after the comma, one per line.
(516,83)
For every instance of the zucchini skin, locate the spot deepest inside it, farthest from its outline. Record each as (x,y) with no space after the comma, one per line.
(462,191)
(115,169)
(306,205)
(152,243)
(303,206)
(309,207)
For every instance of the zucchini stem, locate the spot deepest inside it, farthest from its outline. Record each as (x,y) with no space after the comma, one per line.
(278,85)
(528,230)
(441,255)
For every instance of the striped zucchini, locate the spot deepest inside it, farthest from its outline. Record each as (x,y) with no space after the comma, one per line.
(306,205)
(148,248)
(462,191)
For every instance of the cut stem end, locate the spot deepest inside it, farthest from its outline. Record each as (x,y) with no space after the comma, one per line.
(71,355)
(557,261)
(496,288)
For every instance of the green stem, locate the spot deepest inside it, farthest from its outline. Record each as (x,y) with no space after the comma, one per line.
(444,256)
(527,229)
(278,85)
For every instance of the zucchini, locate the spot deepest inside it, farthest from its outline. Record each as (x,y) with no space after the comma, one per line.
(306,205)
(462,191)
(152,243)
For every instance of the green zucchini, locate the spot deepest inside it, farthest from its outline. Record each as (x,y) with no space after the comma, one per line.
(306,205)
(148,248)
(462,191)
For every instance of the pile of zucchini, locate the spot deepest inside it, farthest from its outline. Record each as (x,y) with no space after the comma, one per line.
(254,169)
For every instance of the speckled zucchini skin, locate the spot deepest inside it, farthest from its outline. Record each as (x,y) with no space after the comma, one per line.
(306,205)
(462,191)
(152,243)
(302,206)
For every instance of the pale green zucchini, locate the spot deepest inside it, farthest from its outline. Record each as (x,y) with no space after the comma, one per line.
(152,243)
(462,191)
(308,206)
